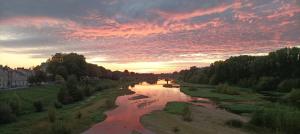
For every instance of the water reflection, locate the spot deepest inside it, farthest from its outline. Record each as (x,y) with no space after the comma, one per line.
(147,98)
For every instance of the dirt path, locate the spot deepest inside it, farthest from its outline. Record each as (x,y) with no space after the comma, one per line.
(205,121)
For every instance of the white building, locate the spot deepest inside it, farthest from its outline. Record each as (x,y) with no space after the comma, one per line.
(3,77)
(13,78)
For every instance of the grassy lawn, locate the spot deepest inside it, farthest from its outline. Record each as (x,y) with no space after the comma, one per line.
(47,94)
(91,109)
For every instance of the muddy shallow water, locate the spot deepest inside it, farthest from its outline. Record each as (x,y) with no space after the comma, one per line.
(147,98)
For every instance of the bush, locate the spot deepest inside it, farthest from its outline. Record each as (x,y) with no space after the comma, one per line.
(187,114)
(15,104)
(278,118)
(247,82)
(63,96)
(57,105)
(72,90)
(52,114)
(78,115)
(76,94)
(226,89)
(59,127)
(38,105)
(6,114)
(267,83)
(293,97)
(87,91)
(288,85)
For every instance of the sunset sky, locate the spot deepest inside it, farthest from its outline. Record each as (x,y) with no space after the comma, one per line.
(145,35)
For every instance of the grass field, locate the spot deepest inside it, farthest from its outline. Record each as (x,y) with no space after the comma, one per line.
(246,101)
(91,109)
(176,107)
(47,94)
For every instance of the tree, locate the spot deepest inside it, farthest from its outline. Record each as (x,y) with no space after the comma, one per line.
(67,64)
(38,77)
(263,72)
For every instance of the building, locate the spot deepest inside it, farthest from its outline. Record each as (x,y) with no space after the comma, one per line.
(13,78)
(3,77)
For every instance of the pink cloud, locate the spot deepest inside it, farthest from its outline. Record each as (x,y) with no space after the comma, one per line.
(200,12)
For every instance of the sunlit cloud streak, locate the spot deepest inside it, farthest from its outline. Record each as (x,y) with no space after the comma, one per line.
(143,35)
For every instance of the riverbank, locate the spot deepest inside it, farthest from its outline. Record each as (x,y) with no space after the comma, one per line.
(233,111)
(204,121)
(76,117)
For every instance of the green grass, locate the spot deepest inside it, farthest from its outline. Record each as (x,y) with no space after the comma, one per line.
(240,108)
(176,107)
(47,94)
(226,89)
(266,115)
(279,118)
(92,109)
(179,108)
(209,92)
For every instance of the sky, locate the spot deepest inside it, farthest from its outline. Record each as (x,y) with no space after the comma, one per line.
(145,35)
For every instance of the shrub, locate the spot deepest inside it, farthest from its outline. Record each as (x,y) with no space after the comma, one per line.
(278,118)
(78,115)
(267,83)
(57,105)
(288,85)
(38,105)
(187,114)
(87,91)
(59,127)
(6,114)
(51,114)
(293,97)
(226,89)
(63,96)
(234,123)
(72,89)
(15,104)
(247,82)
(76,94)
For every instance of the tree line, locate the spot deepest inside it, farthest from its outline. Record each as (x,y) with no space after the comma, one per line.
(65,65)
(279,70)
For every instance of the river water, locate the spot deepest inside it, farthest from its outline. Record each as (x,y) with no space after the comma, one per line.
(147,98)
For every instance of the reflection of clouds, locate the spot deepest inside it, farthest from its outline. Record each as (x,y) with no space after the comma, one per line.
(126,117)
(146,103)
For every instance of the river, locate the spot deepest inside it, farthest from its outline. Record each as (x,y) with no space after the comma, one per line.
(147,98)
